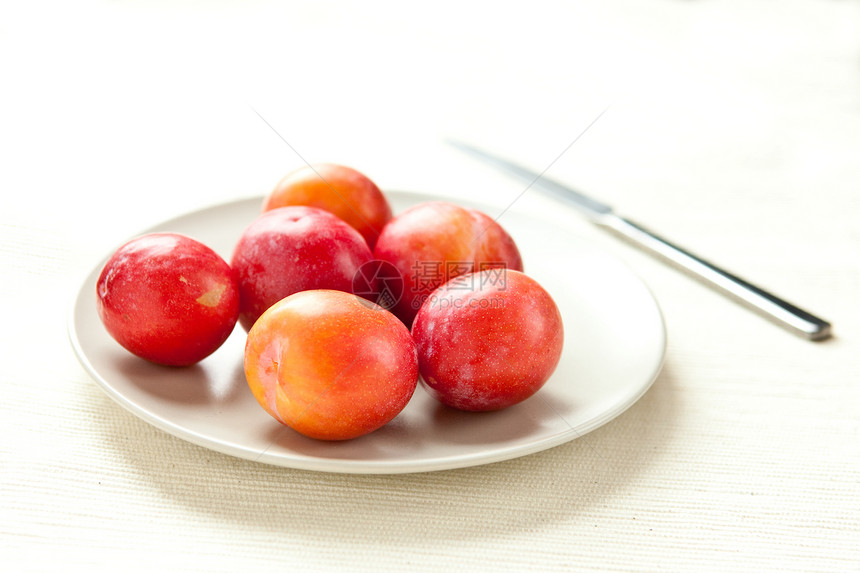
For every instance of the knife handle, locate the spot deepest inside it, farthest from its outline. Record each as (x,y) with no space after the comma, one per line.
(767,304)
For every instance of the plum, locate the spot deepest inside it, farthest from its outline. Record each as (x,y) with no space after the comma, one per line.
(433,242)
(291,249)
(487,340)
(341,190)
(168,298)
(330,365)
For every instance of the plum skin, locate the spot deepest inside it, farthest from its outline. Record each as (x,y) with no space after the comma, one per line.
(483,345)
(291,249)
(432,242)
(167,298)
(330,365)
(338,189)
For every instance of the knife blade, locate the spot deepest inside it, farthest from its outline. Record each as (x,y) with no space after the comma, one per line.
(766,304)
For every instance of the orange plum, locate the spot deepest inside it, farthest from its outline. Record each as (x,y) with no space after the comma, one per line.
(338,189)
(330,365)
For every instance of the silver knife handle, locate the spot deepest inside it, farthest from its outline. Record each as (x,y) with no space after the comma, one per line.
(768,305)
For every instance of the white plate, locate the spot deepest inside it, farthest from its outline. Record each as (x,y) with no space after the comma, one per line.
(615,341)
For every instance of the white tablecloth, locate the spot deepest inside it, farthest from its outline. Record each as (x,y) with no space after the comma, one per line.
(731,127)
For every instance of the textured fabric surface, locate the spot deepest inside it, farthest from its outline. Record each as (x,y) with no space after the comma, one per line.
(731,127)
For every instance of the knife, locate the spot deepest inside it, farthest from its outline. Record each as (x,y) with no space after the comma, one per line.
(770,306)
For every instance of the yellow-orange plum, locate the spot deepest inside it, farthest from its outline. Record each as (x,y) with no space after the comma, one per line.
(330,365)
(340,190)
